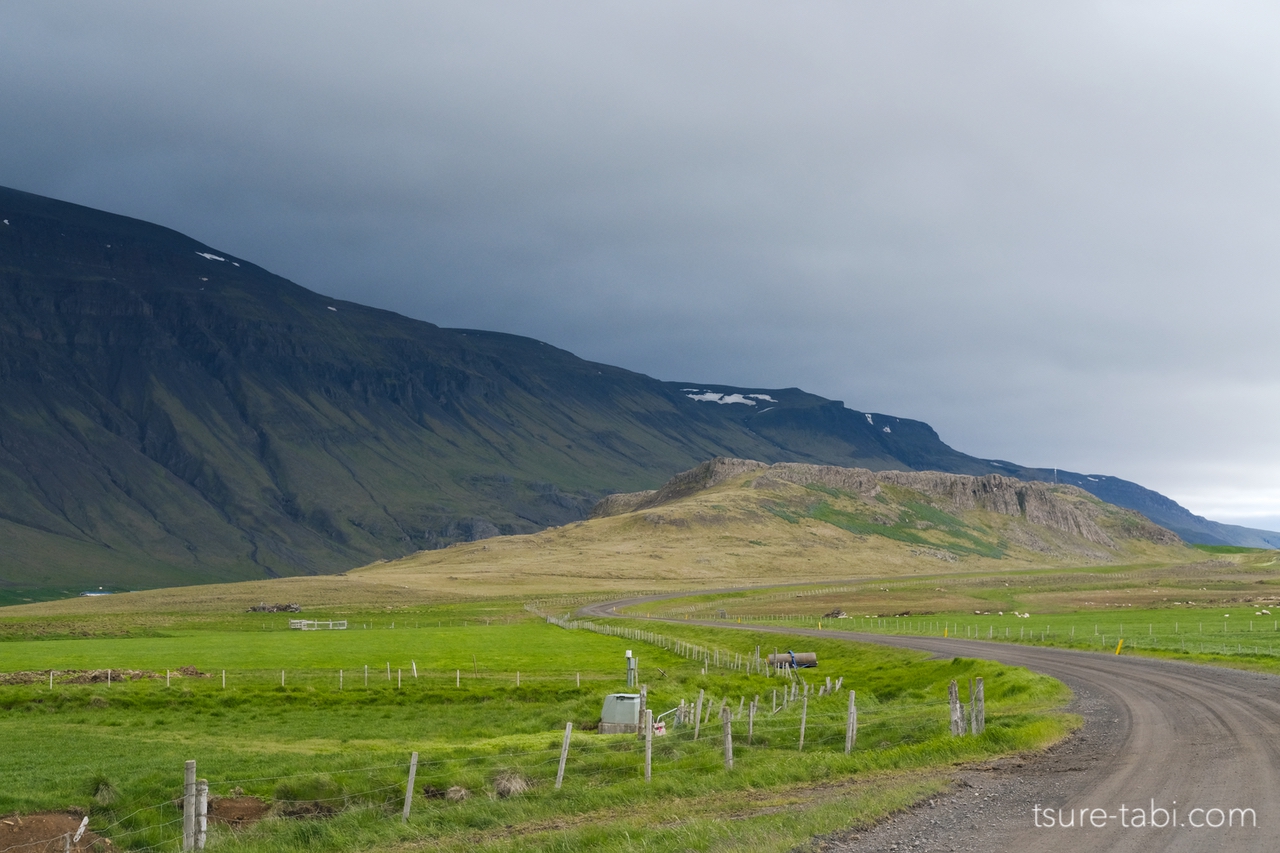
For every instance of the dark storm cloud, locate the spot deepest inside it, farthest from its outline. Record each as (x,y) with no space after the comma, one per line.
(1048,230)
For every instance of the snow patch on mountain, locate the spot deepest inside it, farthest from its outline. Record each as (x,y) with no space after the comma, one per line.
(717,397)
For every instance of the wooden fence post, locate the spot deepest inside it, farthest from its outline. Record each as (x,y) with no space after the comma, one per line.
(564,754)
(189,807)
(697,719)
(980,709)
(202,812)
(408,788)
(726,717)
(957,710)
(851,725)
(804,714)
(751,721)
(648,744)
(973,707)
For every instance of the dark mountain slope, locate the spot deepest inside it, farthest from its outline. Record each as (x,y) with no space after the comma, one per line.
(174,414)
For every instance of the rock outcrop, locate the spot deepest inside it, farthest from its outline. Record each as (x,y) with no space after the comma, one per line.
(1059,507)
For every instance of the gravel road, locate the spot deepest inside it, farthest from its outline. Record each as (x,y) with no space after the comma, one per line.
(1158,735)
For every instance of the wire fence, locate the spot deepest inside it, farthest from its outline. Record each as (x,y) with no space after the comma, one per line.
(814,725)
(1193,635)
(786,716)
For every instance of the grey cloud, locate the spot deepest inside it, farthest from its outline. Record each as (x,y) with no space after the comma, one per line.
(1047,230)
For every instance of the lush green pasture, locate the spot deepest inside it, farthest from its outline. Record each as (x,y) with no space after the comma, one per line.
(497,647)
(1231,635)
(1228,615)
(340,756)
(112,616)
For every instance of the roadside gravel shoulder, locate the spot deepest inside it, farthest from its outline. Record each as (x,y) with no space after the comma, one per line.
(991,802)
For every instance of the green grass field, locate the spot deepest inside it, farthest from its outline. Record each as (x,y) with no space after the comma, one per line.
(1226,614)
(337,759)
(1244,637)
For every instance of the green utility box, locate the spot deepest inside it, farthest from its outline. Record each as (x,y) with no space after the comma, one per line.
(621,714)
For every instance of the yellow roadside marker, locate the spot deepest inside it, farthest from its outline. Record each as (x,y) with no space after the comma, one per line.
(1119,644)
(944,632)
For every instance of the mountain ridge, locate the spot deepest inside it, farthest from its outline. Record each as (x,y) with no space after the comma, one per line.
(174,413)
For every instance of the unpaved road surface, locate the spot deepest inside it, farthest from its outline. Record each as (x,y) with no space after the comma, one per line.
(1158,736)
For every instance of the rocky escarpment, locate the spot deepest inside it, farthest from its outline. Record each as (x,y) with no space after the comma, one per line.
(1058,507)
(686,483)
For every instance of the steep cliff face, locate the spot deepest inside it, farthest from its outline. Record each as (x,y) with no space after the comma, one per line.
(1057,507)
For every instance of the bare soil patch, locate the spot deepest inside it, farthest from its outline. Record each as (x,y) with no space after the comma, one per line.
(38,833)
(238,811)
(95,676)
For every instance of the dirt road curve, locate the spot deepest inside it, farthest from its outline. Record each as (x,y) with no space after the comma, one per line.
(1176,735)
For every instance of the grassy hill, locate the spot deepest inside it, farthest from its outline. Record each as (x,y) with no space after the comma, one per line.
(734,522)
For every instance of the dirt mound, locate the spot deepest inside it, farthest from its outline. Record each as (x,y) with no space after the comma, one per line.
(75,676)
(38,833)
(237,811)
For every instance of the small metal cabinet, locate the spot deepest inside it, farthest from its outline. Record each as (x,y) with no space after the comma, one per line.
(621,714)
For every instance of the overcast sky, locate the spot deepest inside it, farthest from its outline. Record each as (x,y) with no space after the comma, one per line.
(1048,229)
